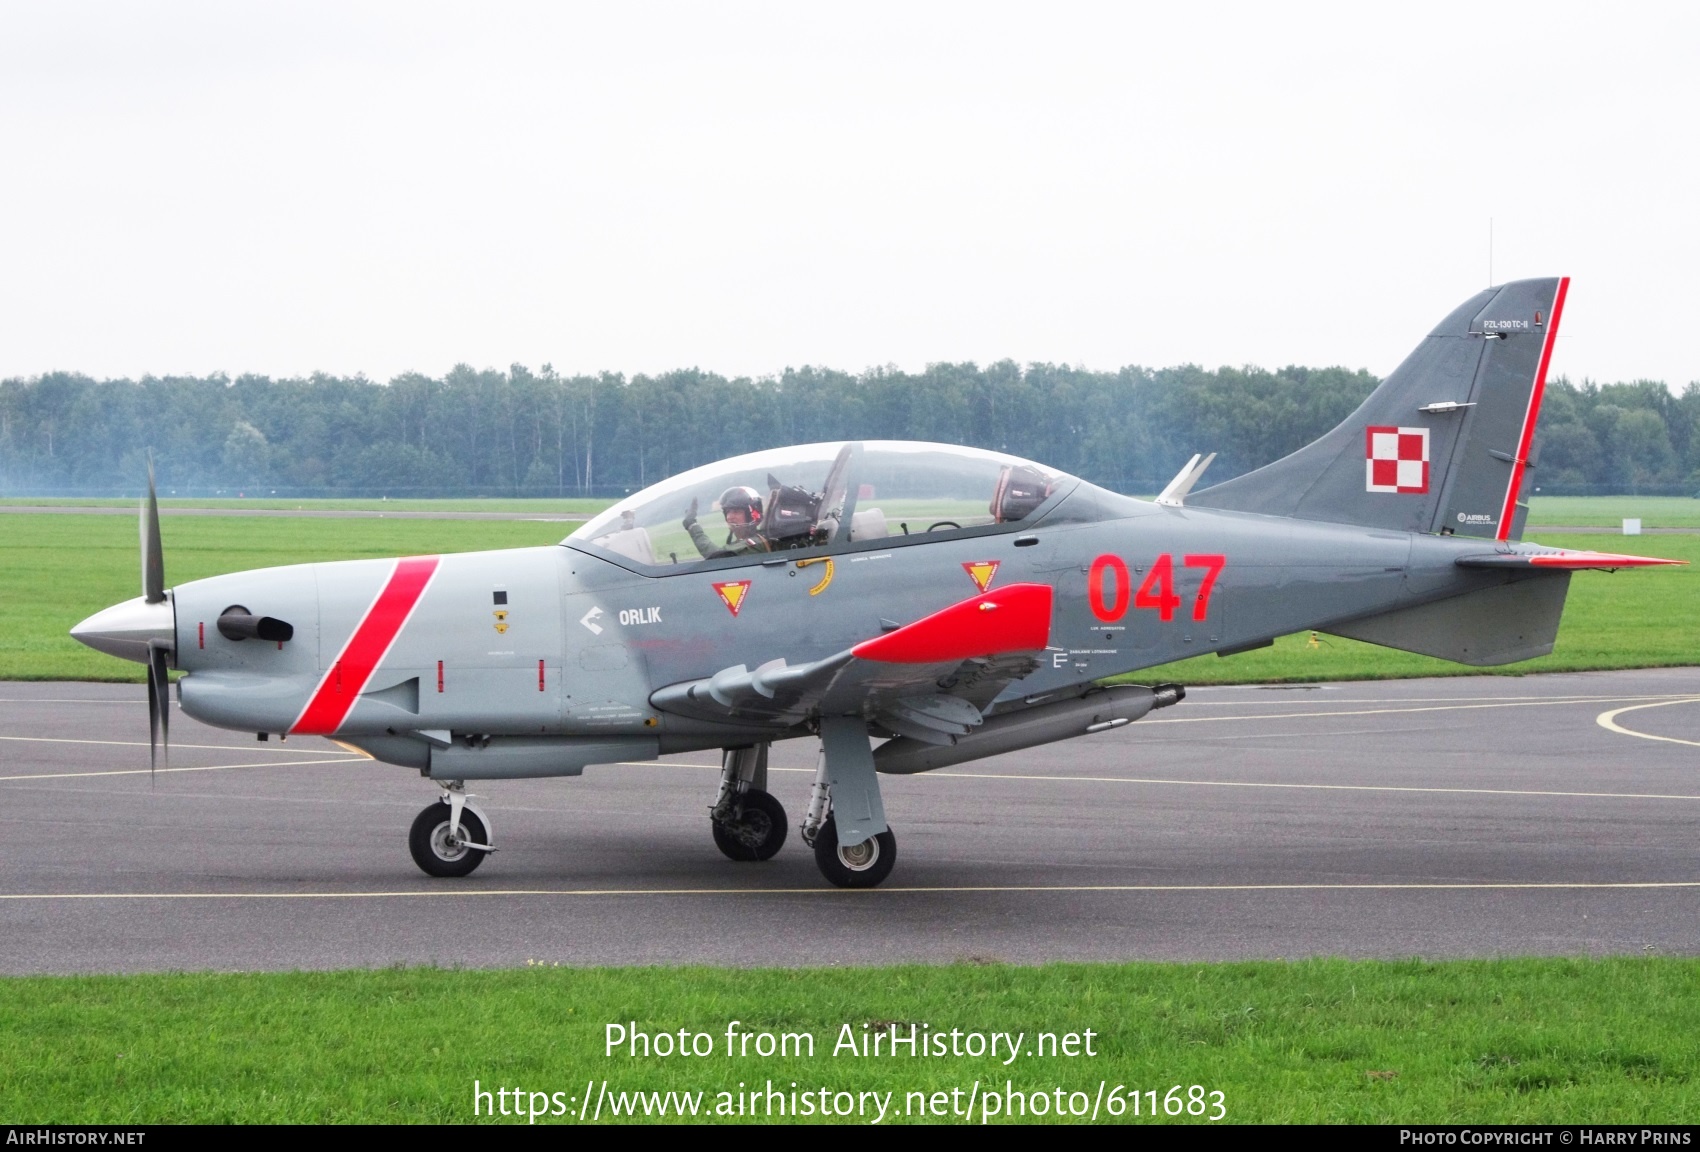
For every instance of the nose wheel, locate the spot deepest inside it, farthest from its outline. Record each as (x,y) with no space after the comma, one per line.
(449,839)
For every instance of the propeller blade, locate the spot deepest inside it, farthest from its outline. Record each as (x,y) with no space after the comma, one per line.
(153,559)
(160,655)
(159,709)
(153,715)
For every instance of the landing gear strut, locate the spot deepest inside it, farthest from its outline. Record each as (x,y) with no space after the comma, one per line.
(846,785)
(748,823)
(450,837)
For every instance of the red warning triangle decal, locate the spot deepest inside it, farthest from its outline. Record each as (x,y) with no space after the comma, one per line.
(732,594)
(981,572)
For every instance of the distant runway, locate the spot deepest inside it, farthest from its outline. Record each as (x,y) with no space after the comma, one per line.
(1477,816)
(308,513)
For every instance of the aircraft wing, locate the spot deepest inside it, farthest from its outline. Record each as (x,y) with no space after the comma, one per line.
(928,679)
(1561,558)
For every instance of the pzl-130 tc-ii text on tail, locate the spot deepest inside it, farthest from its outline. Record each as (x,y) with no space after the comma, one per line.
(948,602)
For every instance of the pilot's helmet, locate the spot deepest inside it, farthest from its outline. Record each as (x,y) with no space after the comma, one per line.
(741,497)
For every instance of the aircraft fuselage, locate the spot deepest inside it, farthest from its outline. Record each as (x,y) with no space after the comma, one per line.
(562,646)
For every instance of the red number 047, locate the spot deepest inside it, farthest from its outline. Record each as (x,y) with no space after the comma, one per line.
(1108,586)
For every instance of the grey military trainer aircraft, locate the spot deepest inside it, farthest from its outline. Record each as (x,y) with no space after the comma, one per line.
(947,602)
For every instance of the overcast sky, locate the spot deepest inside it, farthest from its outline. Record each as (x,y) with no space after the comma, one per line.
(345,187)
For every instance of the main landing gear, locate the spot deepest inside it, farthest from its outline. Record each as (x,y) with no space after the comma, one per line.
(748,823)
(450,837)
(861,866)
(846,827)
(854,846)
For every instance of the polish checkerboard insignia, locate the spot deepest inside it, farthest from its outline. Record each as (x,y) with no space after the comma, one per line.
(1396,459)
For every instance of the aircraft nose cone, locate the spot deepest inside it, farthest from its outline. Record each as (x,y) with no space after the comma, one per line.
(125,630)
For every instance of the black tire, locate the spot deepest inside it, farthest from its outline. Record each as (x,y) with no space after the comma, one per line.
(756,833)
(428,842)
(864,866)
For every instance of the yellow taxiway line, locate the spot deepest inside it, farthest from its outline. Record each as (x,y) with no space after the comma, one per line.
(937,773)
(1529,703)
(1197,698)
(132,701)
(143,744)
(1049,889)
(1319,787)
(203,768)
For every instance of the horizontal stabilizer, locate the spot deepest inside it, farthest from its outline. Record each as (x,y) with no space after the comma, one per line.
(1500,624)
(1562,559)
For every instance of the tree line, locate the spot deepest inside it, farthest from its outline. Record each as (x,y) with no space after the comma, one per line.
(525,433)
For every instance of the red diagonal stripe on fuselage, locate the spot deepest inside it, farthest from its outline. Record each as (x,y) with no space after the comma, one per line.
(347,676)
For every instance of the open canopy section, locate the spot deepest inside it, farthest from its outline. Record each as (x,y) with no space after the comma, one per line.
(822,497)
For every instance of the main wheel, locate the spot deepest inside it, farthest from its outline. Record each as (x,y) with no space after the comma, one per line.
(756,833)
(863,866)
(435,853)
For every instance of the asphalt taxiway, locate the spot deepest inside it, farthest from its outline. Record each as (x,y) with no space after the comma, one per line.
(1475,816)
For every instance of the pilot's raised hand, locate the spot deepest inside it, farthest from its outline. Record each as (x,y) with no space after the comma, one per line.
(690,516)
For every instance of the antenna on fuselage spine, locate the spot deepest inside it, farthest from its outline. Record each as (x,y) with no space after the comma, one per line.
(1174,495)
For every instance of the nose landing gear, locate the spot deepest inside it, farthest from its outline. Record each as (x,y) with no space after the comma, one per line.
(450,837)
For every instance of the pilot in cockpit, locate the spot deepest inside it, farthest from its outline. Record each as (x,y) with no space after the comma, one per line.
(742,508)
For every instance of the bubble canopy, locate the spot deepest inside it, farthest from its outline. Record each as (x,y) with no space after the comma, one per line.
(823,498)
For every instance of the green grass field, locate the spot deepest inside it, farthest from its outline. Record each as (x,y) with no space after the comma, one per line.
(1504,1041)
(540,507)
(55,570)
(1611,511)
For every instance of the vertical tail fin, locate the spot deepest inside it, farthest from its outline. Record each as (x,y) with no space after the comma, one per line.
(1445,445)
